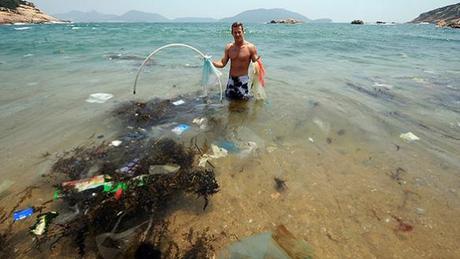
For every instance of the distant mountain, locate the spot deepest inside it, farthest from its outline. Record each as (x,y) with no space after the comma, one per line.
(93,16)
(138,16)
(265,15)
(251,16)
(195,19)
(449,14)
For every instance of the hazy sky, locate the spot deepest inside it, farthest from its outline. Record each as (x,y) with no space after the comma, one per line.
(338,10)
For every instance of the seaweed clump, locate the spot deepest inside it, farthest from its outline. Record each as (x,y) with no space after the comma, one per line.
(143,114)
(123,191)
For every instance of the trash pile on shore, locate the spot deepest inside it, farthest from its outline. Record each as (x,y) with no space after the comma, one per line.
(112,198)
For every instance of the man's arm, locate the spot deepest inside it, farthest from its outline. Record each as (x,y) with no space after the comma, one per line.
(223,62)
(254,55)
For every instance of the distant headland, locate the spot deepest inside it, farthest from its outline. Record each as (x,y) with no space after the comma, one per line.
(443,17)
(18,11)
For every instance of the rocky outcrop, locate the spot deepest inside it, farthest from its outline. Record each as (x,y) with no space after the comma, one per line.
(442,17)
(455,24)
(286,21)
(25,13)
(452,23)
(357,22)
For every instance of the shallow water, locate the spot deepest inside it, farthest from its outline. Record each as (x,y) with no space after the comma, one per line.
(339,98)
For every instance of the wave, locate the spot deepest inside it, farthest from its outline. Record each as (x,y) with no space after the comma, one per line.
(22,28)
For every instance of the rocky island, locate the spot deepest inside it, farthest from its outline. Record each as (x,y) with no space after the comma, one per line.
(286,21)
(448,16)
(359,22)
(18,11)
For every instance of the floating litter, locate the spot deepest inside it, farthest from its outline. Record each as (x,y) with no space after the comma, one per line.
(99,98)
(180,129)
(22,28)
(85,184)
(324,126)
(217,152)
(178,102)
(22,214)
(116,143)
(228,145)
(409,136)
(43,221)
(201,122)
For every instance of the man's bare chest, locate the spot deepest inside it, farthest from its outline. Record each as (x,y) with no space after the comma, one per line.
(239,53)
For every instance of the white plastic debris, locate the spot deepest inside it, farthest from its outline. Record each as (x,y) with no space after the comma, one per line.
(311,140)
(409,136)
(99,98)
(179,102)
(324,126)
(248,148)
(217,152)
(200,122)
(116,143)
(180,129)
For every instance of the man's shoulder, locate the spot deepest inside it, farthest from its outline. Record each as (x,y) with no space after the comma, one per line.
(249,44)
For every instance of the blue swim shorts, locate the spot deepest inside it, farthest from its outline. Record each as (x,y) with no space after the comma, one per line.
(237,88)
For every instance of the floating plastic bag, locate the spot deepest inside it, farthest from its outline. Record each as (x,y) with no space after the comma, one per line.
(217,152)
(208,70)
(258,82)
(280,244)
(114,245)
(409,136)
(99,98)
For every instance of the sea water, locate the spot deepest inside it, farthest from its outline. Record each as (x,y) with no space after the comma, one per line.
(339,98)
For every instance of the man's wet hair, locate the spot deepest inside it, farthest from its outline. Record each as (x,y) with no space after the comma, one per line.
(236,25)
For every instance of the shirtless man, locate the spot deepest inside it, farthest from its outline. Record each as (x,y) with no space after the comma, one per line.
(240,53)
